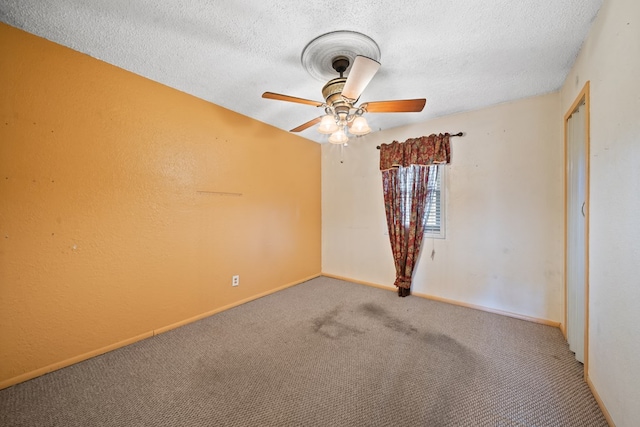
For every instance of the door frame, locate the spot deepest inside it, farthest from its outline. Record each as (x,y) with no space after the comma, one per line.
(583,96)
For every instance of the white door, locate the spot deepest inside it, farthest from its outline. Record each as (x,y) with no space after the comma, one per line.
(576,231)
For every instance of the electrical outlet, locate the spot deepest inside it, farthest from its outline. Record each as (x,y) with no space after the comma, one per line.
(235,280)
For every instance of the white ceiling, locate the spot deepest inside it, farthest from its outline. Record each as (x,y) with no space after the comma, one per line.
(459,54)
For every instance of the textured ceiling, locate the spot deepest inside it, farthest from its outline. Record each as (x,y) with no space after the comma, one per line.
(461,55)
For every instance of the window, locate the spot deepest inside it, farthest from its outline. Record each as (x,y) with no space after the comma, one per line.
(434,214)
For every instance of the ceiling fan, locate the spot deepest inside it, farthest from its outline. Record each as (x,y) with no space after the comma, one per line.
(341,95)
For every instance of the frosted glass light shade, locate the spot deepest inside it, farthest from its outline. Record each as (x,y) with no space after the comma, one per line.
(360,126)
(327,125)
(338,137)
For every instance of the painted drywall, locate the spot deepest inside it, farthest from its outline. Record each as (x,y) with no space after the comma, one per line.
(504,210)
(127,206)
(610,60)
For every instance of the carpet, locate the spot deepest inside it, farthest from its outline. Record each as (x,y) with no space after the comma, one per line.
(322,353)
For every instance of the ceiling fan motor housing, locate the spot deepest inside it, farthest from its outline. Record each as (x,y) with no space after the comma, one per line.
(332,93)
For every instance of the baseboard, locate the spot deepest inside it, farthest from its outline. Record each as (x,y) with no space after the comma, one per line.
(228,306)
(360,282)
(453,302)
(73,360)
(603,408)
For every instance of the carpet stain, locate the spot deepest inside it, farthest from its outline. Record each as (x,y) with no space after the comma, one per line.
(439,341)
(442,341)
(388,320)
(452,365)
(329,327)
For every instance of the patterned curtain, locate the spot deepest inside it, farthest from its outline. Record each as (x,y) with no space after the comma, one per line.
(405,174)
(426,150)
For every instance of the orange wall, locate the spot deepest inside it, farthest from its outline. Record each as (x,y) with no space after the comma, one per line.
(105,232)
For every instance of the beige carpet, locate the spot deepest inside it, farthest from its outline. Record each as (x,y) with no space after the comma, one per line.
(323,353)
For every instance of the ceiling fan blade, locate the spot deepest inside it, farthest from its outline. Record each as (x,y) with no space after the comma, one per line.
(398,106)
(362,71)
(280,97)
(306,125)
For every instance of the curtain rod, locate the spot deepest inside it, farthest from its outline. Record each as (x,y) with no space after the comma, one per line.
(455,134)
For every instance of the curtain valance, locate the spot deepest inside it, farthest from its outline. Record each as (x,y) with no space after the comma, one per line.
(425,150)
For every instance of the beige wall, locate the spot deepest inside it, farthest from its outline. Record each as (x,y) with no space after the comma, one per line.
(105,236)
(504,234)
(610,60)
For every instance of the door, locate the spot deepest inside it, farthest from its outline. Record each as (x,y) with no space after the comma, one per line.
(576,217)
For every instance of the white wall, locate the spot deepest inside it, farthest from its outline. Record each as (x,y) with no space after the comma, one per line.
(504,233)
(610,60)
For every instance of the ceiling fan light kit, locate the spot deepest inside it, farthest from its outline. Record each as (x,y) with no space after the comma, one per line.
(341,52)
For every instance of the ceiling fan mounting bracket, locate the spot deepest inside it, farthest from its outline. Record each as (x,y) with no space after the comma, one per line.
(340,64)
